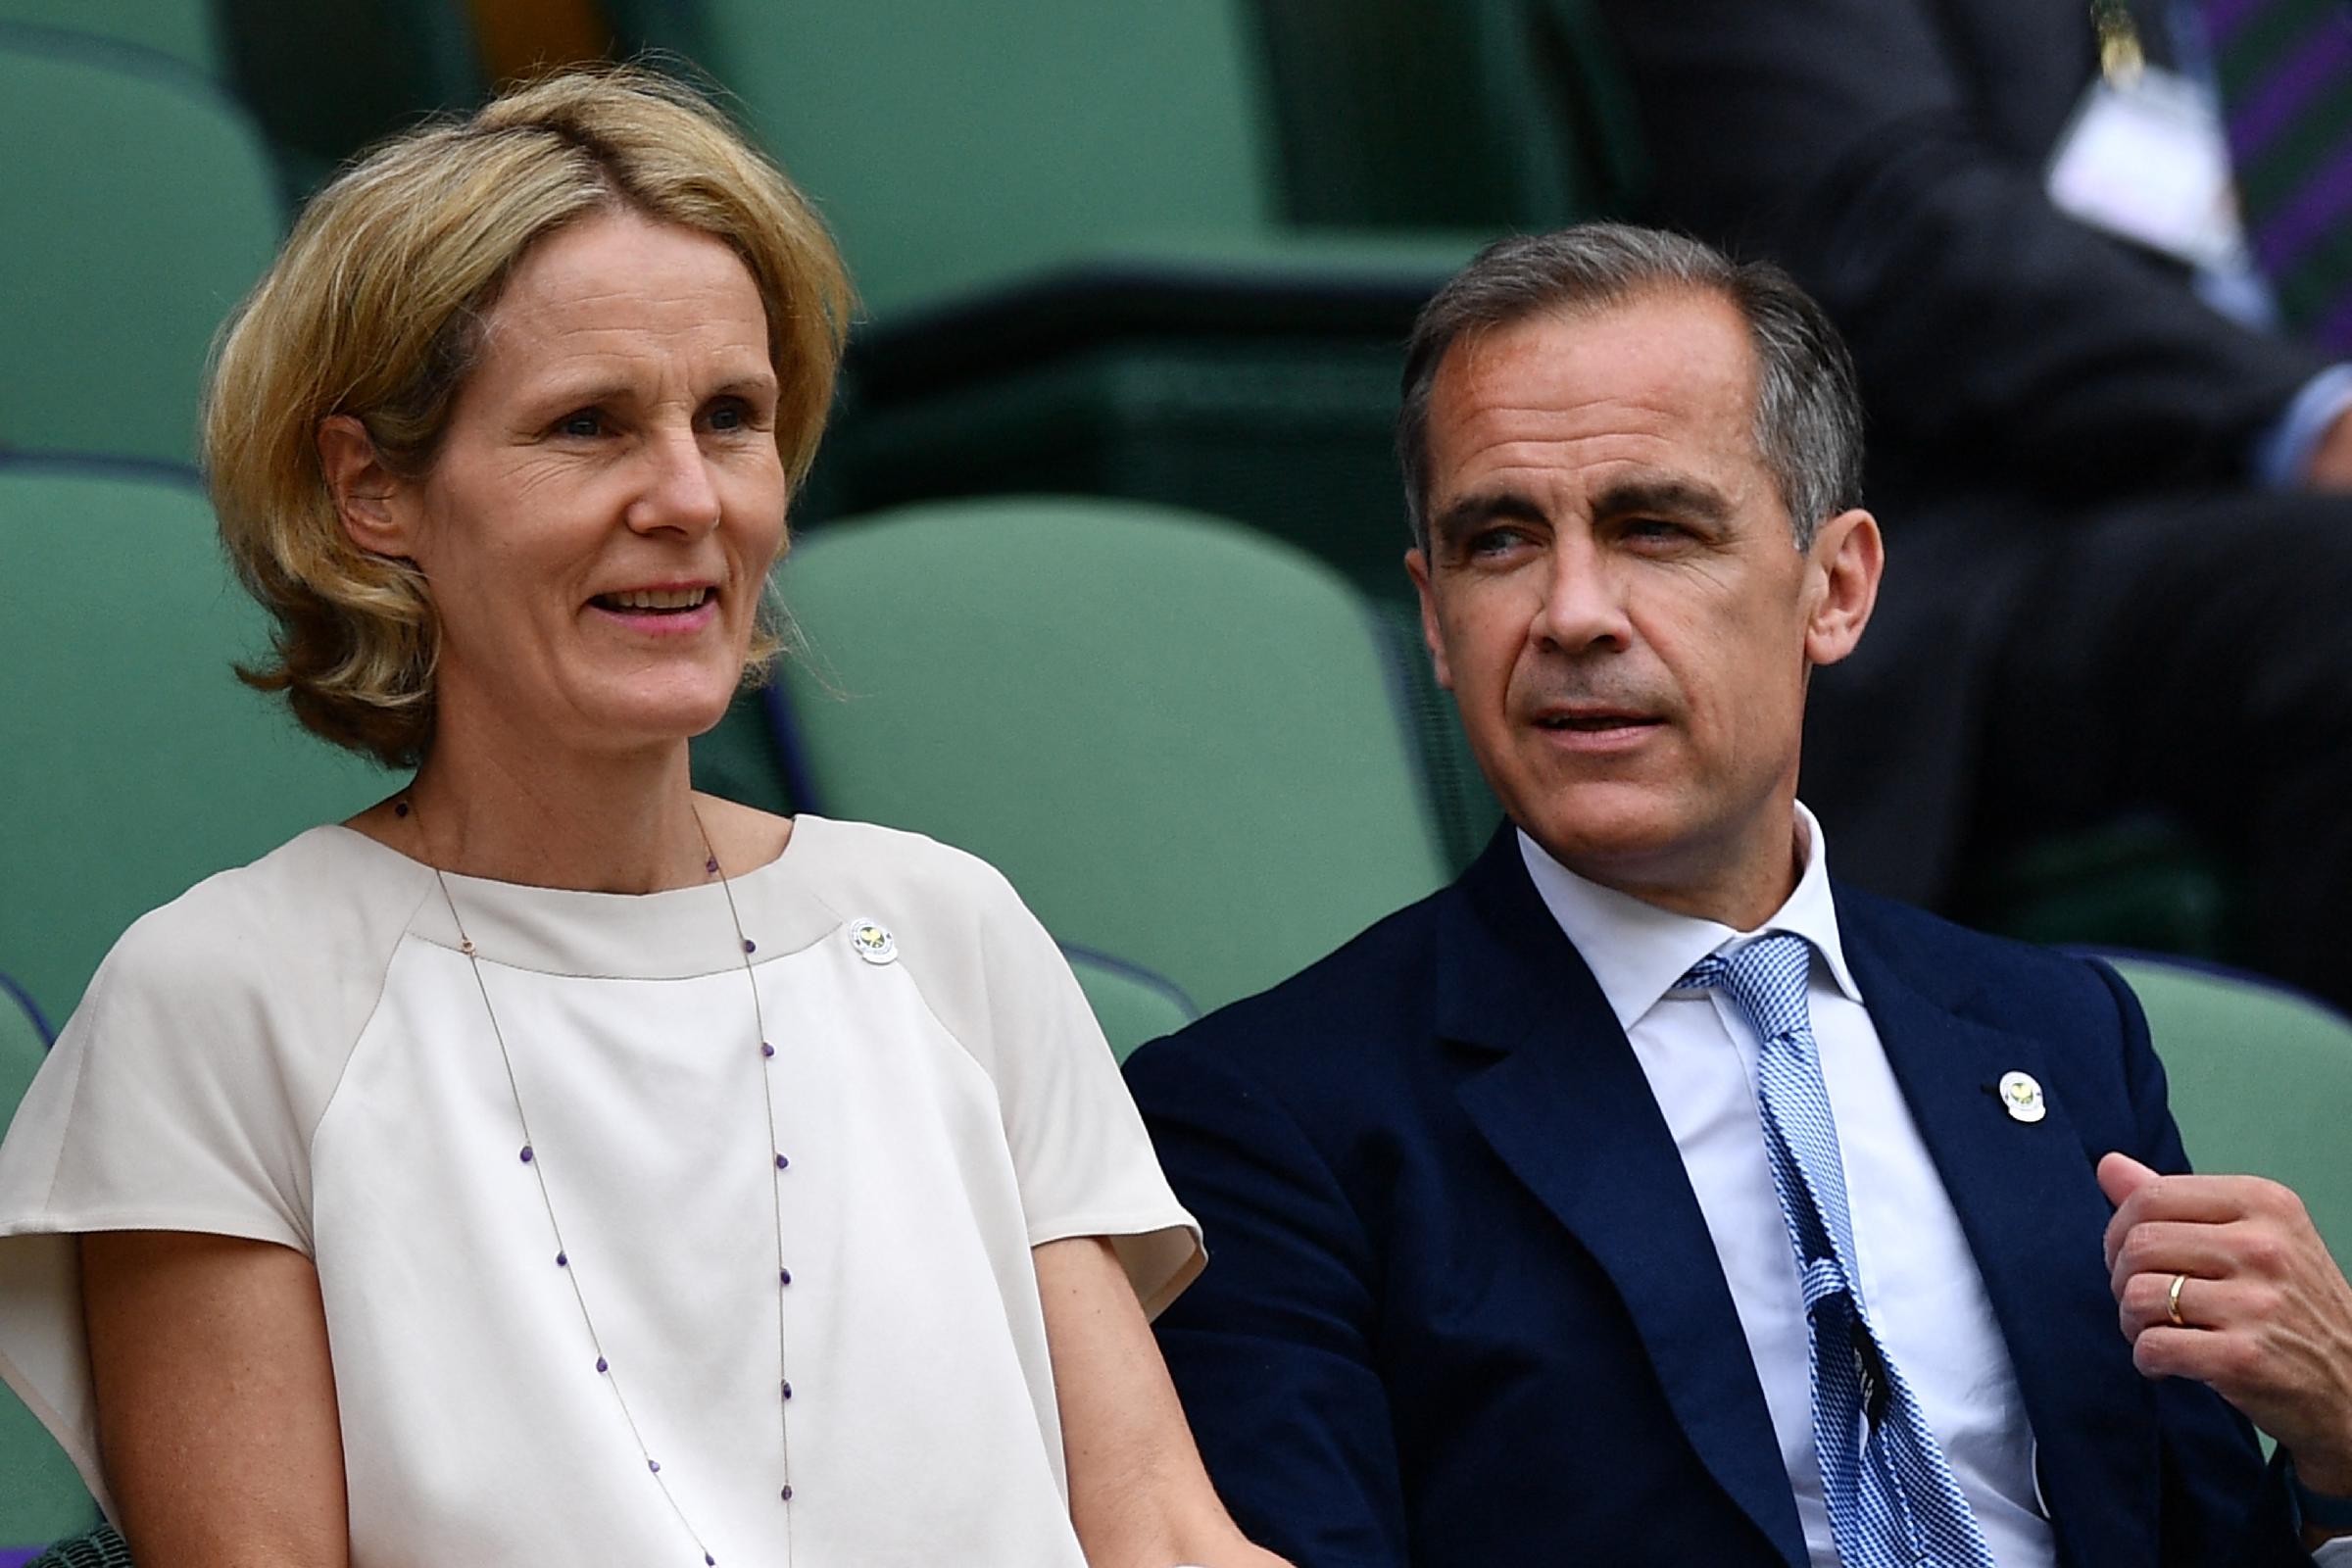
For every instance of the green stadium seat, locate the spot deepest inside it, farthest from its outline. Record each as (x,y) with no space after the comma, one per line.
(141,206)
(956,143)
(1131,1003)
(187,30)
(41,1497)
(137,763)
(1067,221)
(1182,741)
(2260,1077)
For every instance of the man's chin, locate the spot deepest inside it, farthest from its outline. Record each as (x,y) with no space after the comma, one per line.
(1603,820)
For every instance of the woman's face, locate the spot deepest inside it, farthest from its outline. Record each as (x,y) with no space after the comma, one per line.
(599,519)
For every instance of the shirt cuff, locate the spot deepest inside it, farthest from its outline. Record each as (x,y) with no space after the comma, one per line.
(2282,453)
(2336,1554)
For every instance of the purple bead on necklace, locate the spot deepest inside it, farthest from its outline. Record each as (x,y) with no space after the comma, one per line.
(529,1157)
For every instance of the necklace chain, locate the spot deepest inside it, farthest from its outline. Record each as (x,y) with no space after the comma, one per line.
(529,1157)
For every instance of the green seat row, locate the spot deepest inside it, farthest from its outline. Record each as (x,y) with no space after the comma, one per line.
(140,205)
(137,763)
(1184,742)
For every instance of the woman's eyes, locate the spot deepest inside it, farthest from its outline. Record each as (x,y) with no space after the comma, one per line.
(728,417)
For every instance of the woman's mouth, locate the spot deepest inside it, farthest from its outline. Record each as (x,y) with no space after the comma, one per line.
(654,601)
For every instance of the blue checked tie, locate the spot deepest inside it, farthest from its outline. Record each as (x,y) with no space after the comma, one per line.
(1890,1494)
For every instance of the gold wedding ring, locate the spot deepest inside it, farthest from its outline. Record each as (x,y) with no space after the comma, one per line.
(2171,1301)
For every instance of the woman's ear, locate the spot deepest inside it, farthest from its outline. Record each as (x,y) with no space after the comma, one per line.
(366,493)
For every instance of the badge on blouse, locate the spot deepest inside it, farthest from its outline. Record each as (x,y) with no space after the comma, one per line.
(873,942)
(2021,1096)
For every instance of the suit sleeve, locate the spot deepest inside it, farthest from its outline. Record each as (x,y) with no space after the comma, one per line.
(2215,1513)
(1273,1347)
(1840,138)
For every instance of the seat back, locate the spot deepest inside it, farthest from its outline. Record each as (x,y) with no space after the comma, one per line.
(143,206)
(1131,1003)
(1181,741)
(952,143)
(136,764)
(2261,1080)
(187,30)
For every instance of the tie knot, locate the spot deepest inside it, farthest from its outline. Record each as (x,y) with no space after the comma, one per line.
(1766,977)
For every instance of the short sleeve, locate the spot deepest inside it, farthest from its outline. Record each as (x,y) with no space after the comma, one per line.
(1078,1146)
(181,1097)
(996,979)
(159,1107)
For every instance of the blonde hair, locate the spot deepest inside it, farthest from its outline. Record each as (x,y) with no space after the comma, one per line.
(375,309)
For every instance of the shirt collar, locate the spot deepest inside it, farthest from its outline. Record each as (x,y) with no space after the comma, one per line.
(1638,951)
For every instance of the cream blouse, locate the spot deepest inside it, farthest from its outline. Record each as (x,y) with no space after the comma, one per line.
(296,1051)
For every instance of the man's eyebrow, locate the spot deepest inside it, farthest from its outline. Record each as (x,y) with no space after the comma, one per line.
(1474,511)
(1681,499)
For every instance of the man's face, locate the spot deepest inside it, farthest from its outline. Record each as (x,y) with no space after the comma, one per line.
(1614,597)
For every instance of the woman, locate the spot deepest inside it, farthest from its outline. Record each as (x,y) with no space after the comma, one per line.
(551,1163)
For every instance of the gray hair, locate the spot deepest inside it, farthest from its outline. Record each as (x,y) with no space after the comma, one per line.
(1808,410)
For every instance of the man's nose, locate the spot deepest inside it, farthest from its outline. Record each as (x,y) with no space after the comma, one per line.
(1584,600)
(678,492)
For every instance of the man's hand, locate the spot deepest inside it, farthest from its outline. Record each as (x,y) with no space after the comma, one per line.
(2329,467)
(2263,1316)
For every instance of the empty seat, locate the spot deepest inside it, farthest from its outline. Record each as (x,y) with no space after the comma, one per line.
(137,763)
(2261,1080)
(1182,741)
(141,204)
(955,144)
(187,30)
(1067,220)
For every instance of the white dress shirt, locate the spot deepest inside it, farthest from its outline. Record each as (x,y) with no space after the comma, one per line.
(1919,1281)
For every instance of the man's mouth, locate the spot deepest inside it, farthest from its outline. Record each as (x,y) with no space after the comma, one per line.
(1594,723)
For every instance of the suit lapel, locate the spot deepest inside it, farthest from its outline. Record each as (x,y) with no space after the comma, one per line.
(2032,1215)
(1566,1107)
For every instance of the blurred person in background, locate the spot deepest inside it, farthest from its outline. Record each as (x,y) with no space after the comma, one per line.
(1650,1195)
(551,1163)
(2111,419)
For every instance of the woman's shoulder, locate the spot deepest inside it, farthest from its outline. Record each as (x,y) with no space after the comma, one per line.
(865,864)
(315,905)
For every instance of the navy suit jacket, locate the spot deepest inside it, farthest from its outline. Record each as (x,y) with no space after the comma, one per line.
(1462,1310)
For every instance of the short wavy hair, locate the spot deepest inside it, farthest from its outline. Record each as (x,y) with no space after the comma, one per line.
(375,309)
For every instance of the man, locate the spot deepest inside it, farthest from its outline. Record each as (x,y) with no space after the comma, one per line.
(1645,1197)
(2115,470)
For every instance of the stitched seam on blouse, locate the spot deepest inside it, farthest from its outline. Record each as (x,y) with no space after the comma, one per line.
(350,1054)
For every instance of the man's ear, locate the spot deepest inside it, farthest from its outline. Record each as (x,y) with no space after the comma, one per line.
(1416,565)
(366,493)
(1843,567)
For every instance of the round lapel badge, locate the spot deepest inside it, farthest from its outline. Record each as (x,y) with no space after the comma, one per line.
(872,940)
(2021,1096)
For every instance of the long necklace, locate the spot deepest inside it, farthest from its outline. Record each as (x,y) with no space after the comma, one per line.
(530,1158)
